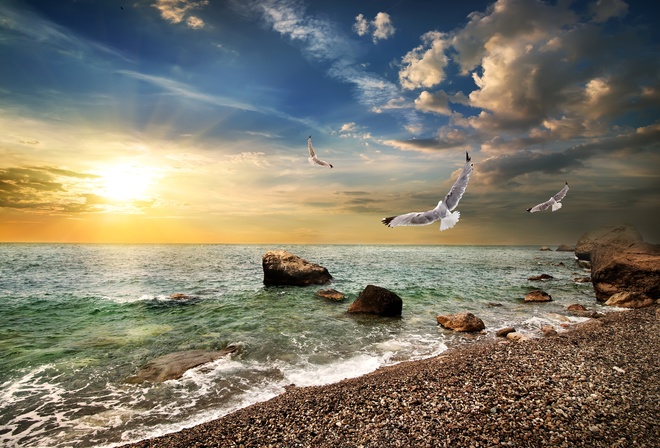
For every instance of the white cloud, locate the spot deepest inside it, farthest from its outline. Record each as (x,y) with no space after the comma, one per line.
(380,28)
(424,66)
(361,26)
(437,102)
(175,11)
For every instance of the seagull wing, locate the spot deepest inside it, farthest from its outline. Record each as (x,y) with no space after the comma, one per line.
(414,218)
(312,156)
(562,193)
(457,190)
(309,146)
(542,206)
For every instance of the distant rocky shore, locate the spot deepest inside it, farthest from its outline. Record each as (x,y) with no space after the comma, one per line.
(562,389)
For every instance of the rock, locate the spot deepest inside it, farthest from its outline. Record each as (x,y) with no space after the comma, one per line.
(466,322)
(285,269)
(377,300)
(538,296)
(565,248)
(502,332)
(174,365)
(180,296)
(625,236)
(545,248)
(518,337)
(494,304)
(585,264)
(548,330)
(629,300)
(576,307)
(633,270)
(582,279)
(331,294)
(541,277)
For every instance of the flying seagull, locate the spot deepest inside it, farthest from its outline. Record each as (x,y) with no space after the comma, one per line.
(553,202)
(312,157)
(443,211)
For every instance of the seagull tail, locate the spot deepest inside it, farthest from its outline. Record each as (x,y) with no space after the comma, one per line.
(449,221)
(556,206)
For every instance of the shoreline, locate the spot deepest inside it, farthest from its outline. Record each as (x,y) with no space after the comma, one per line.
(594,385)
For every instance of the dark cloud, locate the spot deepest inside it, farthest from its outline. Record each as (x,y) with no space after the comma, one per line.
(41,189)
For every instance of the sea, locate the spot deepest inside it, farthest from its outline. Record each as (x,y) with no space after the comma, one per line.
(76,320)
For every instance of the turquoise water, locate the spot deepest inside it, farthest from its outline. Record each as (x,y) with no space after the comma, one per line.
(77,320)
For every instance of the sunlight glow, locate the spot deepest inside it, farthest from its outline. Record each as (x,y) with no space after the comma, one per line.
(126,182)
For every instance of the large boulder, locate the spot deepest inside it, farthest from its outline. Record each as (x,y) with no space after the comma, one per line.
(377,300)
(282,268)
(174,365)
(629,300)
(621,261)
(624,237)
(565,248)
(465,322)
(614,271)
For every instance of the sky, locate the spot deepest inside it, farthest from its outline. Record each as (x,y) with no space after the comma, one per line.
(186,121)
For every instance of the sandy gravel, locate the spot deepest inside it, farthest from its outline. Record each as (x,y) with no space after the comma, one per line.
(597,385)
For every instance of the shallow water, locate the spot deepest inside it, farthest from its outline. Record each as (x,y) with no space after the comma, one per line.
(77,320)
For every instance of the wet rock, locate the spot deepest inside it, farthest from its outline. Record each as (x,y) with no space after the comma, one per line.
(548,330)
(182,297)
(629,300)
(465,322)
(502,332)
(582,279)
(282,268)
(545,249)
(174,365)
(576,307)
(377,300)
(541,277)
(331,294)
(565,248)
(538,296)
(517,337)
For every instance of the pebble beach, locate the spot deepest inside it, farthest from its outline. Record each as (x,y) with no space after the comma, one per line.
(594,385)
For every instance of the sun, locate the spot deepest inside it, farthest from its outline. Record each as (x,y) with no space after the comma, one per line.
(125,183)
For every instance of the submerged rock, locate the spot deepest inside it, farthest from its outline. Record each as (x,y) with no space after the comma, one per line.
(538,296)
(466,322)
(282,268)
(541,277)
(174,365)
(377,300)
(331,294)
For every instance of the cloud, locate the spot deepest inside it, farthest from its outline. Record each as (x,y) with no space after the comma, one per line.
(424,66)
(323,42)
(437,102)
(175,11)
(250,158)
(502,169)
(40,189)
(603,10)
(380,28)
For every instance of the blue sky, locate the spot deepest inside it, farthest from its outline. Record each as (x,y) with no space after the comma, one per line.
(187,121)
